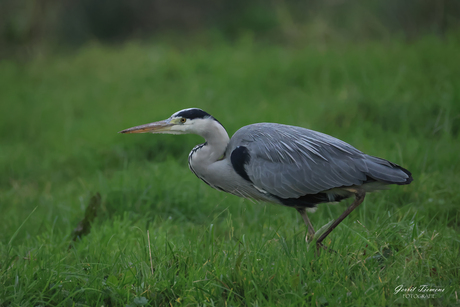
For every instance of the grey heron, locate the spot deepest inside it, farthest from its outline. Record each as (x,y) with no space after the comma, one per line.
(282,164)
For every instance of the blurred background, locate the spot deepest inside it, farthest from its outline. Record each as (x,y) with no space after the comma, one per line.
(32,26)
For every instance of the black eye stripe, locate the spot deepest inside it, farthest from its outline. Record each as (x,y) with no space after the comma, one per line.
(194,113)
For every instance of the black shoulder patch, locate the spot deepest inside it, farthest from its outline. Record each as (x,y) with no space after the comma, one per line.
(193,113)
(239,157)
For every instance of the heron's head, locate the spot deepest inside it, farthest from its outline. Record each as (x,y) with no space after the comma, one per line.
(185,121)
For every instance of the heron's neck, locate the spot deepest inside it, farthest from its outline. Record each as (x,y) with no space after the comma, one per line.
(216,142)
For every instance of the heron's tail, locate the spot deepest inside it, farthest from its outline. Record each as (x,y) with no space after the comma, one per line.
(387,172)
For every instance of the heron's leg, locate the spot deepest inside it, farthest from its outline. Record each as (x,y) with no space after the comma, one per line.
(311,230)
(359,194)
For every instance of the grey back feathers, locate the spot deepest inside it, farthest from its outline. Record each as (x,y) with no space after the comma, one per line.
(291,162)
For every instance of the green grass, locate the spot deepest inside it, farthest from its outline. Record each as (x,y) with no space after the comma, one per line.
(59,118)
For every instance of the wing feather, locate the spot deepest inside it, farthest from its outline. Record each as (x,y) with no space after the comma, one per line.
(291,162)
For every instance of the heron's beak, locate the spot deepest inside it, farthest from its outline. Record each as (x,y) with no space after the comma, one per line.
(157,127)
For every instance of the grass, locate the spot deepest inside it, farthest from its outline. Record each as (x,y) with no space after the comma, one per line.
(164,238)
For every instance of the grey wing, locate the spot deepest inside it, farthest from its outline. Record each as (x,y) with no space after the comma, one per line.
(291,162)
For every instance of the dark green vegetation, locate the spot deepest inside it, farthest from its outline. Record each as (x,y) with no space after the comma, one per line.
(59,118)
(29,27)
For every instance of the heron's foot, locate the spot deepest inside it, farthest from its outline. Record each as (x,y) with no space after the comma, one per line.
(319,244)
(310,238)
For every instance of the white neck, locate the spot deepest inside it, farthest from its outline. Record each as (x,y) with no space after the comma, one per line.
(216,143)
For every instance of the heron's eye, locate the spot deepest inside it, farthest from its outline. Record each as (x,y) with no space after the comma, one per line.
(183,120)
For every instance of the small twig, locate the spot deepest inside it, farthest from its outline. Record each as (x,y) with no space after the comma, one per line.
(150,252)
(435,234)
(418,251)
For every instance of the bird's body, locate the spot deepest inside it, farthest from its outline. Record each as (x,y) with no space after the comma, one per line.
(277,163)
(290,165)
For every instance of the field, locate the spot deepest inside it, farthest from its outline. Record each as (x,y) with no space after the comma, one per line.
(164,238)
